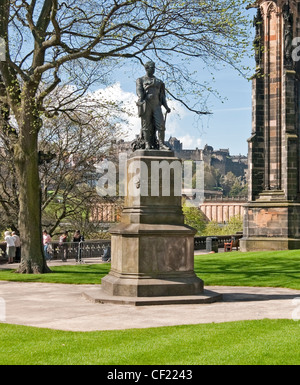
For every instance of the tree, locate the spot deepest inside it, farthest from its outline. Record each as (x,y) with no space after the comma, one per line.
(239,189)
(211,177)
(212,229)
(234,225)
(70,150)
(194,217)
(79,142)
(51,42)
(233,186)
(9,204)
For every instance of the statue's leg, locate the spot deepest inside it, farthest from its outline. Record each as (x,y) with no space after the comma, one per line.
(144,131)
(148,128)
(161,140)
(147,138)
(160,127)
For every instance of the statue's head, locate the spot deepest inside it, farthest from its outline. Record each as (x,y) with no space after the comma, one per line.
(150,67)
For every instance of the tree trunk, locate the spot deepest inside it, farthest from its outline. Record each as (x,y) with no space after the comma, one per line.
(26,159)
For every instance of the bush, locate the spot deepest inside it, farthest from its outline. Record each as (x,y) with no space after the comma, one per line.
(234,225)
(194,217)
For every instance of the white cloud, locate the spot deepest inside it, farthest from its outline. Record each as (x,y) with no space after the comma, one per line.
(116,94)
(190,142)
(179,122)
(128,100)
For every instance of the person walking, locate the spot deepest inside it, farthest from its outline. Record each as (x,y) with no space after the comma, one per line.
(63,239)
(18,246)
(46,242)
(10,246)
(78,238)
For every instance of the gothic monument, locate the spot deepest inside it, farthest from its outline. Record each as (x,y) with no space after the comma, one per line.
(272,220)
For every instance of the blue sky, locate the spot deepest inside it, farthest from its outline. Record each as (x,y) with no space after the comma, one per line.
(231,122)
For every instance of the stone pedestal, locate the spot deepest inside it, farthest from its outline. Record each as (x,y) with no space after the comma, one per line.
(152,261)
(271,224)
(152,250)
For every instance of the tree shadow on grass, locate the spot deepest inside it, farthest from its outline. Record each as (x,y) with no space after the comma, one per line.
(272,272)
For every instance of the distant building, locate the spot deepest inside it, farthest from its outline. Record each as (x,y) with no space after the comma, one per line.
(220,159)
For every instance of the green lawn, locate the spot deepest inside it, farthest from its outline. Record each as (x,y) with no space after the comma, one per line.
(266,342)
(273,269)
(69,274)
(265,269)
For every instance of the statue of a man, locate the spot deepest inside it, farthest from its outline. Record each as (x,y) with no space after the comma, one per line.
(288,35)
(152,95)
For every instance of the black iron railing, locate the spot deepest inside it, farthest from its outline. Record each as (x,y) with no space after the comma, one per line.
(200,242)
(78,250)
(97,248)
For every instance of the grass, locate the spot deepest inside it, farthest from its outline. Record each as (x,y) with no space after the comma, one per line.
(67,274)
(265,342)
(265,269)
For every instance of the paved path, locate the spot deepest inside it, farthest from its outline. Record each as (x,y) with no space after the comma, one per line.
(64,307)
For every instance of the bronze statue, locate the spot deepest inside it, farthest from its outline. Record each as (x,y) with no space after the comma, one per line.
(151,96)
(258,41)
(288,35)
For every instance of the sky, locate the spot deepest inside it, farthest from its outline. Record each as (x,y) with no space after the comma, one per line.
(231,122)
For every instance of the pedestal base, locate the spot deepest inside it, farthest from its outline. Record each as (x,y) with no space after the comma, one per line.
(271,225)
(152,261)
(268,244)
(206,297)
(117,284)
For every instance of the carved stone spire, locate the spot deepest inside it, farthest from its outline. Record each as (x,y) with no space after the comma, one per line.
(272,219)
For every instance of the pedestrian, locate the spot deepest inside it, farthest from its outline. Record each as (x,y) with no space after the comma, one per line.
(78,238)
(46,243)
(63,239)
(10,246)
(18,246)
(107,254)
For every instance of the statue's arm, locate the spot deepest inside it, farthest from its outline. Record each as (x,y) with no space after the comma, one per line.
(140,89)
(164,99)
